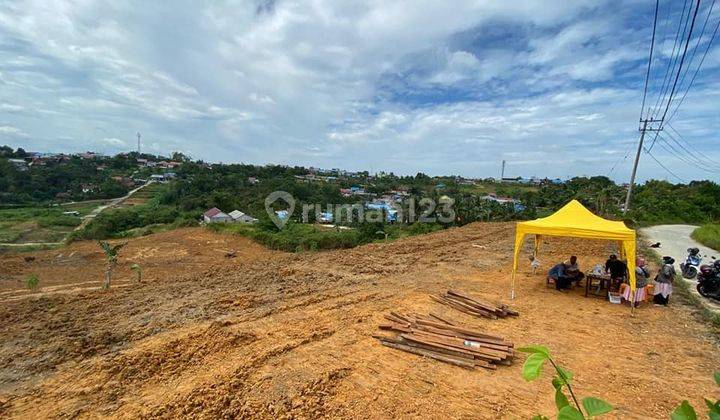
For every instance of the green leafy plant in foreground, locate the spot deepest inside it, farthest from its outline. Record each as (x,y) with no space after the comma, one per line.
(685,411)
(111,255)
(32,281)
(532,368)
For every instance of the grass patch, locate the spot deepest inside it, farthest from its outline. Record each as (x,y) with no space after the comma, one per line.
(298,237)
(130,221)
(35,224)
(294,237)
(708,235)
(146,230)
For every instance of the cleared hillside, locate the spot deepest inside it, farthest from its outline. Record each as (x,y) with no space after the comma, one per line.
(270,334)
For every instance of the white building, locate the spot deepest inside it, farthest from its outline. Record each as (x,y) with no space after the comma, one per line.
(240,217)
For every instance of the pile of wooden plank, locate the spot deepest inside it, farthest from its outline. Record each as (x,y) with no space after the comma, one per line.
(473,306)
(447,341)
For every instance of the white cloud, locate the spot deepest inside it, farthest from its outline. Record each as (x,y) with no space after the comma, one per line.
(7,107)
(404,86)
(112,141)
(8,131)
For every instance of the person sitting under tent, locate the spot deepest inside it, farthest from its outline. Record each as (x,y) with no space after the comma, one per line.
(565,273)
(617,270)
(557,274)
(572,270)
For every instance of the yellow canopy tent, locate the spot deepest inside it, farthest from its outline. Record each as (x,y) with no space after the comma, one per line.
(575,220)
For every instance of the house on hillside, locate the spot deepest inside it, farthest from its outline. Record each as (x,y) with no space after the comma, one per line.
(89,155)
(38,161)
(517,206)
(215,215)
(20,164)
(240,217)
(89,188)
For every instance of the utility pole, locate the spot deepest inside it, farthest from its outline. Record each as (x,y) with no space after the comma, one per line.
(138,136)
(643,130)
(502,171)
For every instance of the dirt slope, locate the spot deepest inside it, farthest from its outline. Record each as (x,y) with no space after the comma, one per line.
(275,335)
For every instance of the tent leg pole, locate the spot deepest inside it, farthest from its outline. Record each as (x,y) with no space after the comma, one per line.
(512,287)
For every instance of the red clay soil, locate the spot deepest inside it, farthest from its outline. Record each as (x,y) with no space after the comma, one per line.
(275,335)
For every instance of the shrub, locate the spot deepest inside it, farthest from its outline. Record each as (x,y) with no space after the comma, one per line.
(113,223)
(685,411)
(532,368)
(32,282)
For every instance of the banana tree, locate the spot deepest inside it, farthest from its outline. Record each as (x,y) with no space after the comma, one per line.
(138,272)
(111,257)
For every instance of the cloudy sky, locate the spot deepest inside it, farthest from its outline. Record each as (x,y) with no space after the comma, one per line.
(553,87)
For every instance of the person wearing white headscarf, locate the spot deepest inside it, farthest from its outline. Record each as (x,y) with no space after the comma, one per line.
(641,278)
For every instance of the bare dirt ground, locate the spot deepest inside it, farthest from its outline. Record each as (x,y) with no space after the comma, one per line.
(276,335)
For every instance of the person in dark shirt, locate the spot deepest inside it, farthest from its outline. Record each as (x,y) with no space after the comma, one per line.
(617,270)
(572,270)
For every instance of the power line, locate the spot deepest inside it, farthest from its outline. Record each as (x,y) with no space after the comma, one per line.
(689,157)
(674,153)
(697,70)
(654,140)
(663,91)
(700,156)
(678,153)
(682,61)
(671,62)
(697,43)
(621,158)
(663,166)
(652,47)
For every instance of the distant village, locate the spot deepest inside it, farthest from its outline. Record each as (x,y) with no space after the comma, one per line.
(162,170)
(387,202)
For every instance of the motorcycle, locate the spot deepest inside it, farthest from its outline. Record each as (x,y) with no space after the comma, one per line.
(689,268)
(709,280)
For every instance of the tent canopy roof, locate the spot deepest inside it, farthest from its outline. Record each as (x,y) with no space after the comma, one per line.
(575,220)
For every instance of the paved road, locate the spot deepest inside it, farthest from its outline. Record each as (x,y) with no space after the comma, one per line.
(114,202)
(674,241)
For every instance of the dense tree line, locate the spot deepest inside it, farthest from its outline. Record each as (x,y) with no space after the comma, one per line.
(56,180)
(199,186)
